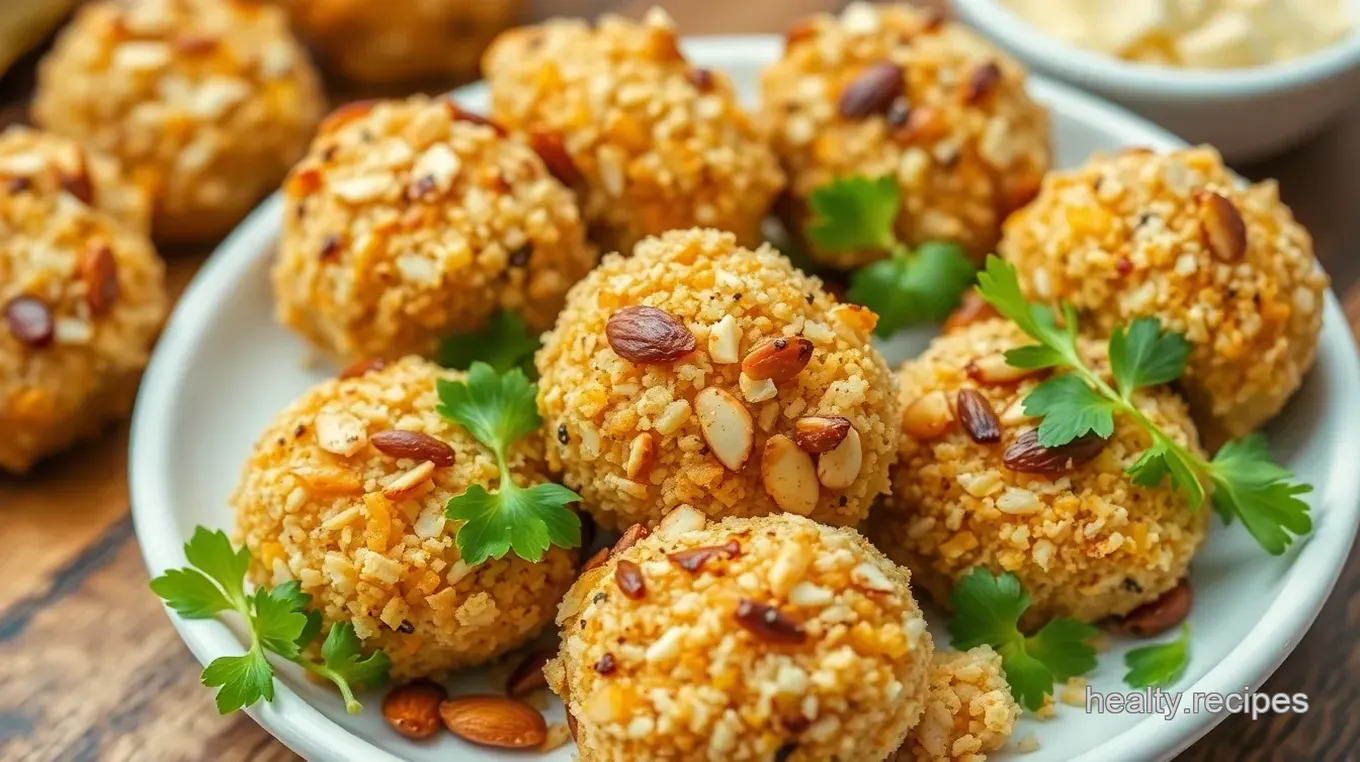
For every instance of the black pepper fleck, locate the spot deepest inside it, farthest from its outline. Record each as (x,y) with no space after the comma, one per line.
(844,500)
(300,430)
(406,628)
(1132,585)
(562,435)
(736,297)
(520,257)
(599,598)
(810,298)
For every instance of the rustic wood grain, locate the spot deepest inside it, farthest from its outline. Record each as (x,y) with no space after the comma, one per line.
(90,668)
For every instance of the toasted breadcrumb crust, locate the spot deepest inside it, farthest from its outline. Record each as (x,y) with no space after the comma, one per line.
(661,144)
(389,565)
(45,163)
(689,682)
(406,222)
(969,709)
(68,390)
(962,163)
(1121,237)
(1086,543)
(206,103)
(392,42)
(595,404)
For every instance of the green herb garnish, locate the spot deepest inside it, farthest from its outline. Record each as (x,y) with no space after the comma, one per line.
(1158,666)
(909,286)
(499,410)
(278,619)
(505,343)
(1246,483)
(987,612)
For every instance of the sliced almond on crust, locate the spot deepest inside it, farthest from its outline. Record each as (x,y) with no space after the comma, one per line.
(840,467)
(726,425)
(789,475)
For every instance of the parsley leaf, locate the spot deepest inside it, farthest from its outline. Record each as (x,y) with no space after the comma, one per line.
(1246,482)
(504,344)
(1158,666)
(1146,355)
(913,287)
(988,610)
(344,664)
(190,593)
(278,619)
(499,410)
(1069,409)
(242,680)
(855,214)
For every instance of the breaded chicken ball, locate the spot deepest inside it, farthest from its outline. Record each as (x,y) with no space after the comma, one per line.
(206,102)
(411,220)
(388,42)
(82,296)
(1175,236)
(972,487)
(700,373)
(969,709)
(45,163)
(651,142)
(891,90)
(743,640)
(335,498)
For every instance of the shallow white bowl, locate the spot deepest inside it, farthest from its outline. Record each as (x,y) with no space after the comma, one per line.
(1247,113)
(224,368)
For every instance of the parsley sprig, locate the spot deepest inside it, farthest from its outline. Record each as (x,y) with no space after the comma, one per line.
(279,621)
(499,410)
(505,343)
(1246,483)
(910,286)
(987,612)
(1160,665)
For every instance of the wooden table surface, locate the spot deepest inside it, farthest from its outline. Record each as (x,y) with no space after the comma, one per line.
(90,668)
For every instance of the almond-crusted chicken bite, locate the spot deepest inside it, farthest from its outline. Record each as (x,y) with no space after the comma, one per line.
(206,102)
(346,492)
(650,141)
(697,372)
(1176,236)
(82,295)
(410,220)
(388,42)
(894,91)
(744,640)
(969,709)
(973,487)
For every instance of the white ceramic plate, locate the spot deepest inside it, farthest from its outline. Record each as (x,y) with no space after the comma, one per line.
(224,368)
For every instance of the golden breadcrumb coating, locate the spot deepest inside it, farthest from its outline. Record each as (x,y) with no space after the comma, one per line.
(364,533)
(963,139)
(205,102)
(408,221)
(794,641)
(390,42)
(969,709)
(82,298)
(1084,542)
(1129,235)
(659,143)
(629,437)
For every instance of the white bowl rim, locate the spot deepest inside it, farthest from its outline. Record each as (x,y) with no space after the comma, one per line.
(305,730)
(1110,74)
